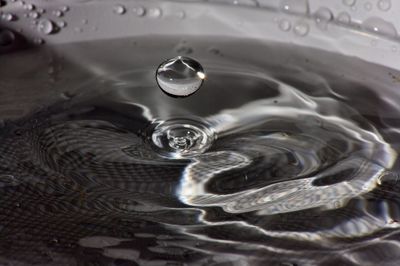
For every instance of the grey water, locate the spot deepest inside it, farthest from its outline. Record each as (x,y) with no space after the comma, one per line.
(285,161)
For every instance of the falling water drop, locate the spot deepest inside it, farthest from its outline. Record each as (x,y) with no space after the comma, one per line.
(384,5)
(119,9)
(301,29)
(45,26)
(180,76)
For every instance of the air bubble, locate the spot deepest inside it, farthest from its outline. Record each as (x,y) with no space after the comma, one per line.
(139,11)
(301,29)
(344,18)
(285,25)
(41,10)
(294,6)
(349,2)
(119,9)
(45,26)
(379,26)
(322,17)
(384,5)
(154,12)
(180,76)
(6,37)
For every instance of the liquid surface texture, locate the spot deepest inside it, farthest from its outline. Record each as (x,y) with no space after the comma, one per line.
(284,155)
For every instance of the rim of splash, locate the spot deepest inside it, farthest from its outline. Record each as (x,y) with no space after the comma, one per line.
(349,27)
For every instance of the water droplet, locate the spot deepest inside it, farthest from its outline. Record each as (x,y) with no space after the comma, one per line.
(294,6)
(285,25)
(154,12)
(180,76)
(374,43)
(181,138)
(45,26)
(65,8)
(78,30)
(349,2)
(58,13)
(368,6)
(322,17)
(6,37)
(394,48)
(29,7)
(379,26)
(139,11)
(301,28)
(344,18)
(84,21)
(61,24)
(34,15)
(119,9)
(384,5)
(8,17)
(41,10)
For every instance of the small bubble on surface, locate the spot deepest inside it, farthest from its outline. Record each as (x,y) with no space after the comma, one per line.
(284,25)
(46,26)
(384,5)
(119,9)
(301,29)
